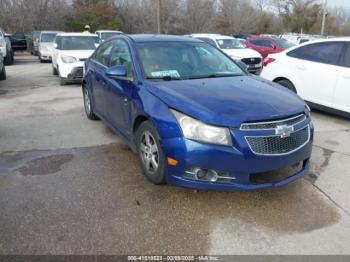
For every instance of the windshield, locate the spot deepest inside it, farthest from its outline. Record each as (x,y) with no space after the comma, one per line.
(180,60)
(48,38)
(283,43)
(78,43)
(36,35)
(105,36)
(229,44)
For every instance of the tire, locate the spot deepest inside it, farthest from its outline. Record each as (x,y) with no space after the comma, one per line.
(3,74)
(54,71)
(9,60)
(89,110)
(286,83)
(150,153)
(63,81)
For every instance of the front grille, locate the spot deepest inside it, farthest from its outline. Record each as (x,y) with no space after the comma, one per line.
(252,61)
(273,124)
(276,145)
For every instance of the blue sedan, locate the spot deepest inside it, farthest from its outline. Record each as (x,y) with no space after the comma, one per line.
(195,117)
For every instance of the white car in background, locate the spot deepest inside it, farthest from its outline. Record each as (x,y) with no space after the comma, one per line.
(3,49)
(45,45)
(103,35)
(235,49)
(318,71)
(71,50)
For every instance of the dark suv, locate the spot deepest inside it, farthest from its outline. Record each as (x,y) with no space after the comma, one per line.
(18,42)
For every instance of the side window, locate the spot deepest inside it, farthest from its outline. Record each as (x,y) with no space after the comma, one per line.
(121,56)
(208,40)
(102,55)
(327,53)
(347,55)
(260,42)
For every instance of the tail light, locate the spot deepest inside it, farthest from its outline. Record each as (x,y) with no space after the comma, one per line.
(268,60)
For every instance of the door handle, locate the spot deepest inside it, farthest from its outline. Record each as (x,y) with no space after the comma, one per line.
(346,76)
(301,67)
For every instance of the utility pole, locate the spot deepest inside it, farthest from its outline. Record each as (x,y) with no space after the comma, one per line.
(158,16)
(324,16)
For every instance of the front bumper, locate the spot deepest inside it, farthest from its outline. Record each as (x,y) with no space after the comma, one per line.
(238,161)
(72,72)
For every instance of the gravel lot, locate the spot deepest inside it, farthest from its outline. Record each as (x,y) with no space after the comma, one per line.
(70,186)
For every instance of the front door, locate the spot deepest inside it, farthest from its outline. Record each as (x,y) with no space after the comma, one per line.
(99,81)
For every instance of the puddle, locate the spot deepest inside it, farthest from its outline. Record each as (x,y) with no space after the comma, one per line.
(45,165)
(33,163)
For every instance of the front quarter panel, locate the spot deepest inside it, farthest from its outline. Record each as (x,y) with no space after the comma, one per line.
(154,109)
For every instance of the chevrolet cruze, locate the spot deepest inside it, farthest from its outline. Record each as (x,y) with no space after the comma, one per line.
(194,116)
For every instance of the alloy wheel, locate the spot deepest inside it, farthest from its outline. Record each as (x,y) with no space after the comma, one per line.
(149,152)
(87,102)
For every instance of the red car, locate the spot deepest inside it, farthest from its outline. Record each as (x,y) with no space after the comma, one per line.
(267,45)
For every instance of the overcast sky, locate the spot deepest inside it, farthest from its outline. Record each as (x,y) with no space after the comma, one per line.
(342,3)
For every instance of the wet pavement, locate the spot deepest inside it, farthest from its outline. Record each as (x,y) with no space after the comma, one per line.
(70,186)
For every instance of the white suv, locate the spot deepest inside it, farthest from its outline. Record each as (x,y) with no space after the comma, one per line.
(318,71)
(235,49)
(71,50)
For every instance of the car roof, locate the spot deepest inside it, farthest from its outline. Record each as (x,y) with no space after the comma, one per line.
(108,31)
(50,32)
(76,34)
(213,36)
(162,38)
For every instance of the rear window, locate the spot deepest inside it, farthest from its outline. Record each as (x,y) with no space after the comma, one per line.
(327,52)
(77,42)
(261,42)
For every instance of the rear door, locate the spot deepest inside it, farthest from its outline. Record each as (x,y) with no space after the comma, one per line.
(316,68)
(342,90)
(99,65)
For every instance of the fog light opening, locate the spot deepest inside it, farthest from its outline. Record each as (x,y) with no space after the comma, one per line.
(207,175)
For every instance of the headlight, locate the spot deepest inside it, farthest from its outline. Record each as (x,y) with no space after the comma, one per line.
(68,59)
(308,110)
(199,131)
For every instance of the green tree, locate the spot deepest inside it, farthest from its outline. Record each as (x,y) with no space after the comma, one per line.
(99,14)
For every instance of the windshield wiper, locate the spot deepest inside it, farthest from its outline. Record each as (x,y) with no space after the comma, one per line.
(164,78)
(215,75)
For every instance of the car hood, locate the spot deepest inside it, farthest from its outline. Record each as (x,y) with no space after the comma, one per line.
(228,101)
(79,54)
(241,53)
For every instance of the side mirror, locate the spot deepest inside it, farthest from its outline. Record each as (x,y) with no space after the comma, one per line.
(55,45)
(274,46)
(118,72)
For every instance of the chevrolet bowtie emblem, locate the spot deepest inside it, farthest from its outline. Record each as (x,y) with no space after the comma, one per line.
(284,131)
